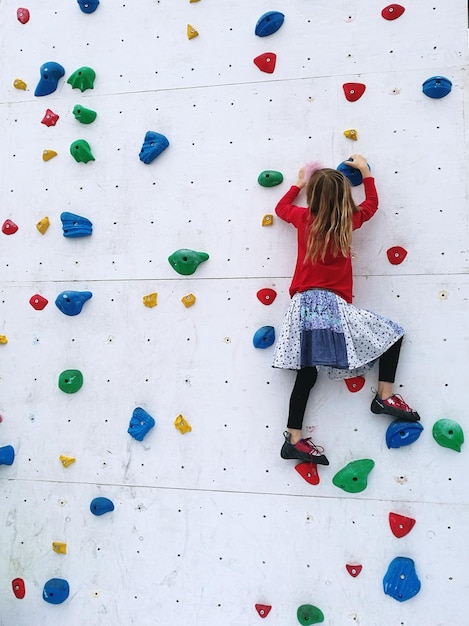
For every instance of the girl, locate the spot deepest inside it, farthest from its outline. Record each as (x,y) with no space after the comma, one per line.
(321,327)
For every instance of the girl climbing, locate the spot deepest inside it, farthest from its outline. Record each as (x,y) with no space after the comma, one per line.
(322,329)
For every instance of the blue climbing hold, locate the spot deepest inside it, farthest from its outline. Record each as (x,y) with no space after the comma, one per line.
(351,173)
(269,23)
(88,6)
(51,73)
(100,506)
(7,455)
(140,424)
(153,145)
(56,591)
(264,337)
(401,581)
(75,225)
(71,302)
(437,87)
(400,433)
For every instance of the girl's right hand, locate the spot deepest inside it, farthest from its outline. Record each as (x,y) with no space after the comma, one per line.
(359,162)
(300,182)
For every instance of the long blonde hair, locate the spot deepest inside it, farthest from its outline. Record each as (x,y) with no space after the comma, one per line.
(329,197)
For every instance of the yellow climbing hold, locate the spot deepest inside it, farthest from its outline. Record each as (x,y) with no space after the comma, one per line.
(150,300)
(3,339)
(47,155)
(182,426)
(194,1)
(351,133)
(19,84)
(191,32)
(268,220)
(59,547)
(66,460)
(188,300)
(43,225)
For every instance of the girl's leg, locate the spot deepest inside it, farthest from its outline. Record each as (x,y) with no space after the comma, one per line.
(304,382)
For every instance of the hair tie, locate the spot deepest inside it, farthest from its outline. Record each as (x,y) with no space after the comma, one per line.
(310,168)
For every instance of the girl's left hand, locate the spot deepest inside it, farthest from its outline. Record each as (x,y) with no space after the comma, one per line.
(301,178)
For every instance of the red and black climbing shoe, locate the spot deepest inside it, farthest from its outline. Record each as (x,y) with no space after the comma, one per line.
(395,407)
(303,450)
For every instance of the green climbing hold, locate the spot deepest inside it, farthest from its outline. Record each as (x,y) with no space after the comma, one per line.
(81,151)
(84,115)
(270,178)
(353,477)
(70,381)
(82,79)
(449,434)
(187,261)
(309,614)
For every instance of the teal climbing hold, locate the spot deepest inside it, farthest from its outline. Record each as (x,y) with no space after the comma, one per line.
(82,78)
(84,115)
(270,178)
(71,381)
(309,614)
(81,151)
(354,476)
(186,261)
(448,434)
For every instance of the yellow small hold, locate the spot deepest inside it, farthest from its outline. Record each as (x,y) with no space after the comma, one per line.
(59,547)
(188,300)
(47,155)
(191,32)
(182,426)
(3,339)
(268,220)
(43,225)
(19,84)
(351,133)
(66,460)
(150,300)
(193,1)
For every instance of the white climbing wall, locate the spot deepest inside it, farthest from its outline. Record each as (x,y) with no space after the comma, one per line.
(210,523)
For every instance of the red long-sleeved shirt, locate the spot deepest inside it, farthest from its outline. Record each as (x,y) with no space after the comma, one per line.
(334,273)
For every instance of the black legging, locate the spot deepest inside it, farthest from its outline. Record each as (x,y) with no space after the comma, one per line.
(306,379)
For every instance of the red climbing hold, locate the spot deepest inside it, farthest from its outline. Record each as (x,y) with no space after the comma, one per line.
(353,91)
(50,118)
(266,296)
(263,609)
(309,471)
(38,302)
(355,384)
(9,227)
(354,570)
(392,12)
(400,524)
(18,588)
(22,15)
(266,62)
(396,255)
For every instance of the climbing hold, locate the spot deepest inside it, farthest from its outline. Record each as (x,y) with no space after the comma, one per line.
(19,588)
(266,62)
(3,339)
(188,300)
(191,32)
(9,227)
(82,78)
(153,145)
(59,547)
(355,177)
(400,524)
(268,220)
(7,455)
(84,115)
(71,302)
(22,15)
(88,6)
(70,381)
(75,226)
(19,84)
(81,151)
(264,337)
(437,87)
(448,434)
(396,255)
(181,425)
(308,471)
(47,155)
(355,384)
(38,302)
(354,570)
(67,460)
(266,296)
(193,1)
(353,477)
(150,300)
(400,433)
(392,12)
(140,423)
(353,91)
(269,23)
(262,609)
(50,118)
(56,591)
(270,178)
(51,73)
(401,581)
(186,261)
(100,506)
(351,134)
(309,614)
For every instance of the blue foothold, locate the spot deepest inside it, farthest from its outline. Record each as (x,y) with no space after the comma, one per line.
(269,23)
(71,302)
(140,424)
(153,145)
(88,6)
(401,581)
(351,173)
(101,505)
(56,591)
(264,337)
(75,225)
(7,455)
(437,87)
(400,433)
(51,73)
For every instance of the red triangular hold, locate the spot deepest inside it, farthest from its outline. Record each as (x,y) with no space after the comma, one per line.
(355,384)
(309,471)
(400,524)
(396,255)
(392,11)
(263,609)
(9,227)
(266,62)
(353,91)
(354,570)
(266,296)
